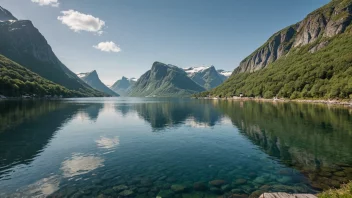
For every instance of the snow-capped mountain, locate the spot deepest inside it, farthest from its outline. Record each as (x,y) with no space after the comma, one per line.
(207,76)
(225,73)
(123,86)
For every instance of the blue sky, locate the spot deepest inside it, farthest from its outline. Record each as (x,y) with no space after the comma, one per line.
(179,32)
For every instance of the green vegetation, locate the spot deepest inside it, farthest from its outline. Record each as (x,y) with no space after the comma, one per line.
(15,81)
(344,192)
(301,74)
(165,81)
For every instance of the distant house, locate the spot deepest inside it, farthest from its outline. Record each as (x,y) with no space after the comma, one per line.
(26,96)
(241,95)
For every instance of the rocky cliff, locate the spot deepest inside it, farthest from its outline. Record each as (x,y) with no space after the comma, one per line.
(327,21)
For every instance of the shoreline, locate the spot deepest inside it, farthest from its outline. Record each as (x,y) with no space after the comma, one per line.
(312,101)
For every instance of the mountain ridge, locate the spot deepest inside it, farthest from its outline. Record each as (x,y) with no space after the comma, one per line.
(21,42)
(165,80)
(310,59)
(123,86)
(92,79)
(323,22)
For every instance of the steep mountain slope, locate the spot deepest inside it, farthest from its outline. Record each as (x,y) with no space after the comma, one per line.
(92,79)
(16,81)
(23,43)
(311,59)
(165,80)
(207,77)
(123,86)
(5,15)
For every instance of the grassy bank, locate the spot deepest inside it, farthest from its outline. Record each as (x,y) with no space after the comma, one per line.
(344,192)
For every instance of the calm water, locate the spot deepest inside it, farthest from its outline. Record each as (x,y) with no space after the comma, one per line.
(131,147)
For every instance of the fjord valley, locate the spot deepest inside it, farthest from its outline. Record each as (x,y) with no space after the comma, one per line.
(143,99)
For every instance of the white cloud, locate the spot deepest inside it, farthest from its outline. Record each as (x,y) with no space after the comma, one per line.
(54,3)
(108,143)
(107,47)
(79,164)
(81,22)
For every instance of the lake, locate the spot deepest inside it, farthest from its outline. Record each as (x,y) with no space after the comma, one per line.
(169,147)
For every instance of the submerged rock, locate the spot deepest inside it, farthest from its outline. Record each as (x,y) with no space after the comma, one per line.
(260,180)
(238,196)
(165,194)
(216,190)
(226,188)
(284,179)
(200,186)
(126,193)
(143,190)
(256,194)
(120,188)
(240,181)
(217,183)
(177,188)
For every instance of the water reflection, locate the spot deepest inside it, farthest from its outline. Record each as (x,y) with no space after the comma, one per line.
(80,164)
(25,137)
(108,143)
(312,138)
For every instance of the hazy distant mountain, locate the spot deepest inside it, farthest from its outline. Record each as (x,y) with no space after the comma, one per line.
(123,86)
(92,79)
(165,80)
(21,42)
(207,77)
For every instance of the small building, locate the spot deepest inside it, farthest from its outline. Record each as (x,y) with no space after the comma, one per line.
(26,96)
(241,95)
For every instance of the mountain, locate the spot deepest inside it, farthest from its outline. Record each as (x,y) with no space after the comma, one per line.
(16,80)
(5,15)
(21,42)
(227,74)
(123,86)
(165,80)
(207,77)
(310,59)
(92,79)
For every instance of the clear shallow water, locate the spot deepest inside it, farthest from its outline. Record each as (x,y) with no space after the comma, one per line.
(148,147)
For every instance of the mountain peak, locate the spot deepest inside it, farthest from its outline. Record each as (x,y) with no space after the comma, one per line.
(6,15)
(92,79)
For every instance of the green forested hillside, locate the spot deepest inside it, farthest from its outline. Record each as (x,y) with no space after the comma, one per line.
(15,80)
(302,74)
(164,81)
(311,59)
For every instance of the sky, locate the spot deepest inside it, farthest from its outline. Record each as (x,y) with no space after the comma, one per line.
(124,37)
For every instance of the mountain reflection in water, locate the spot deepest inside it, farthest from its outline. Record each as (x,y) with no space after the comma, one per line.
(57,147)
